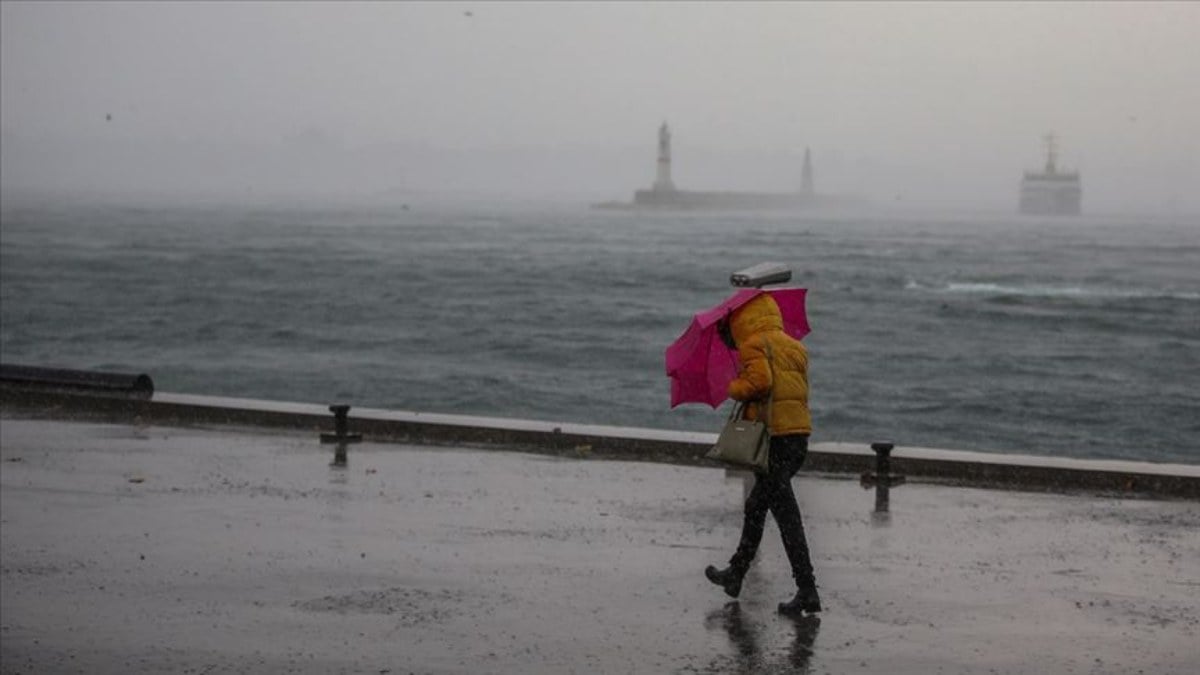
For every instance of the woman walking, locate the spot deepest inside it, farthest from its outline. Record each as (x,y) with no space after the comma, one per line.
(773,364)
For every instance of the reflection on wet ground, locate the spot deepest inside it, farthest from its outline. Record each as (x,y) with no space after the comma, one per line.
(184,550)
(750,653)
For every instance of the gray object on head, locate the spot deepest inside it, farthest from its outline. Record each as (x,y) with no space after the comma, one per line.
(760,275)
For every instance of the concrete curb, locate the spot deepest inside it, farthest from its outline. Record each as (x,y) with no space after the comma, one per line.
(1020,472)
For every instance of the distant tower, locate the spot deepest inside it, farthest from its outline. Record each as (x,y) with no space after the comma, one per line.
(662,179)
(806,175)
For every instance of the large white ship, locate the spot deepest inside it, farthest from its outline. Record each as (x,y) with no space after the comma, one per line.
(1051,191)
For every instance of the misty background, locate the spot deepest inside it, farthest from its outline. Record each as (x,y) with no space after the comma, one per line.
(932,105)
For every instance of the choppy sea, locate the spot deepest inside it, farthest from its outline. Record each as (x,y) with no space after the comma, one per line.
(1063,337)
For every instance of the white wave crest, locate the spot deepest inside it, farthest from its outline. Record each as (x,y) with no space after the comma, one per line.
(1056,291)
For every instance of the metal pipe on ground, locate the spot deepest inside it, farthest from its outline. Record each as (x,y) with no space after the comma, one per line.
(129,385)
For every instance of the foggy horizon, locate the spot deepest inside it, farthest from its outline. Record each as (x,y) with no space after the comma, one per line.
(933,105)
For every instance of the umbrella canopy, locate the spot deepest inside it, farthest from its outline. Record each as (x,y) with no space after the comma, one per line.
(698,362)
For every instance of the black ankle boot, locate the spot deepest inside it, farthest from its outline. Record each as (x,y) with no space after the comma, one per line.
(806,602)
(727,578)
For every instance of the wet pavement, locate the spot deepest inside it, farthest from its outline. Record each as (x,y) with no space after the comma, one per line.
(150,549)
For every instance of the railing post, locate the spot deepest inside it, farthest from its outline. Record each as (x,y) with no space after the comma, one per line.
(882,479)
(341,434)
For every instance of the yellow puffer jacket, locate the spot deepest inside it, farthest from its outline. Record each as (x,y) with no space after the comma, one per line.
(755,325)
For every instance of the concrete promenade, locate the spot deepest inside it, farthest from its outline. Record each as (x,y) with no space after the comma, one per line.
(149,549)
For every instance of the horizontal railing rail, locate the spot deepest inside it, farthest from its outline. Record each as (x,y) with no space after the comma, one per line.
(134,385)
(975,469)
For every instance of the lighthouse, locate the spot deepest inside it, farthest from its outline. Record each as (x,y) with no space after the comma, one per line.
(662,178)
(806,175)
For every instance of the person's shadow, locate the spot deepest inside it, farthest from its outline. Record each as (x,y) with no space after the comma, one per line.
(748,656)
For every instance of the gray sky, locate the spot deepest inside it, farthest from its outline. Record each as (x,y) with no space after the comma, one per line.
(915,103)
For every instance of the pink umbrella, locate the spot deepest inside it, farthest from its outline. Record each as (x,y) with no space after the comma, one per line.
(698,362)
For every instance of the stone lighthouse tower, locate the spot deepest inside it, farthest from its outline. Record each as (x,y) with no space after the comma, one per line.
(662,178)
(806,175)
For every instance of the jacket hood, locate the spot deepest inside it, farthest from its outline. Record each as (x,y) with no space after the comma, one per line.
(759,315)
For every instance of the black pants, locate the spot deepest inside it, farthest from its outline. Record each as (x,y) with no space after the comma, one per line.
(772,492)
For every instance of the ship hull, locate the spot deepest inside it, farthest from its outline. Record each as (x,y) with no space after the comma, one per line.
(1050,197)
